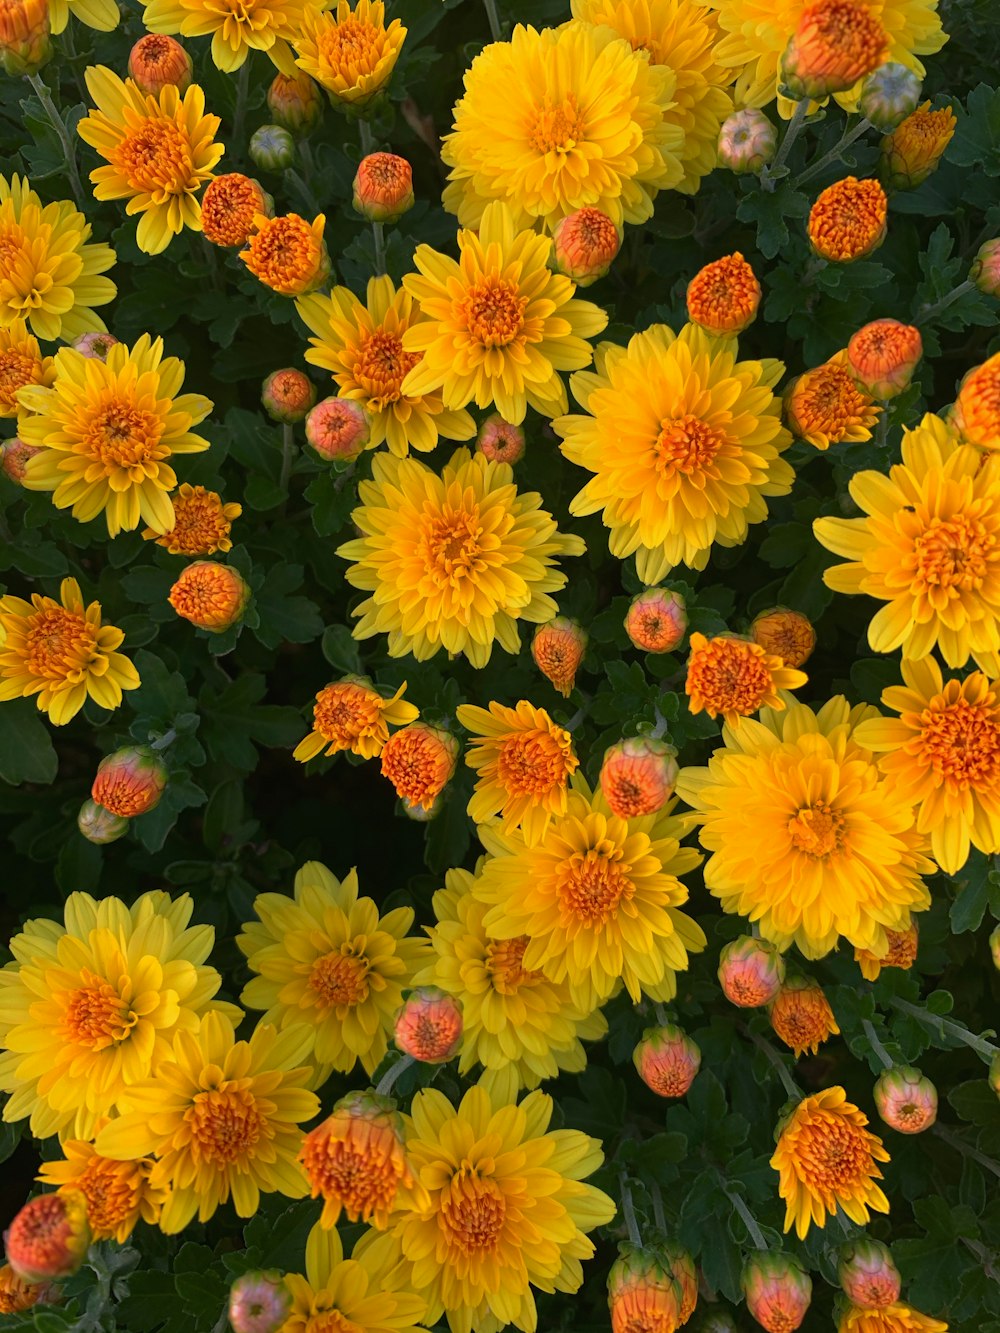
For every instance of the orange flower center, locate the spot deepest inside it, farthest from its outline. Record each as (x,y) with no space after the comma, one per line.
(962,742)
(284,252)
(748,986)
(121,435)
(226,1124)
(16,370)
(352,47)
(450,546)
(816,830)
(96,1016)
(331,1321)
(228,208)
(110,1196)
(59,644)
(199,524)
(340,978)
(953,553)
(155,159)
(827,400)
(832,1154)
(728,676)
(505,965)
(591,885)
(364,1176)
(381,367)
(154,50)
(557,129)
(533,763)
(687,445)
(666,1072)
(493,311)
(472,1213)
(345,713)
(724,295)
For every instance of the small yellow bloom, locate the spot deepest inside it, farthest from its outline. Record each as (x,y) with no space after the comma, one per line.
(736,677)
(351,52)
(350,714)
(288,254)
(827,406)
(118,1194)
(915,147)
(202,523)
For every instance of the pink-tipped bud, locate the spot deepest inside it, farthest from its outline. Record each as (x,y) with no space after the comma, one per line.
(778,1290)
(338,429)
(747,142)
(657,620)
(295,103)
(638,776)
(499,441)
(558,649)
(883,356)
(95,346)
(259,1302)
(888,95)
(383,187)
(288,395)
(14,455)
(868,1275)
(584,245)
(272,148)
(130,782)
(49,1237)
(985,270)
(98,825)
(429,1025)
(643,1292)
(667,1060)
(906,1100)
(158,61)
(750,972)
(995,947)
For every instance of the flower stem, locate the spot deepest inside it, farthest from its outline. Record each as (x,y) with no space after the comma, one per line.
(789,1084)
(165,740)
(979,1044)
(928,312)
(835,153)
(628,1211)
(746,1216)
(656,1195)
(367,137)
(308,162)
(791,134)
(493,14)
(378,233)
(966,1149)
(242,93)
(877,1048)
(58,124)
(385,1083)
(287,454)
(662,1017)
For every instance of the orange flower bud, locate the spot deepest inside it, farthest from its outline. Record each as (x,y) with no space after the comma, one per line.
(259,1303)
(868,1275)
(558,649)
(682,1267)
(429,1025)
(723,296)
(786,634)
(906,1100)
(16,1294)
(750,971)
(848,220)
(902,952)
(130,782)
(229,206)
(383,187)
(915,147)
(98,825)
(747,142)
(836,43)
(643,1292)
(883,355)
(888,95)
(995,947)
(295,103)
(14,455)
(801,1016)
(271,148)
(419,760)
(994,1074)
(49,1237)
(584,245)
(288,395)
(735,677)
(778,1290)
(985,270)
(24,36)
(212,596)
(638,776)
(976,414)
(338,429)
(667,1060)
(657,620)
(95,346)
(158,61)
(499,441)
(827,406)
(288,254)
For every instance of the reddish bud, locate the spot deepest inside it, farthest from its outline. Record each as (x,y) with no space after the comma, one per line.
(95,346)
(667,1060)
(643,1292)
(585,245)
(868,1275)
(906,1100)
(778,1290)
(130,782)
(429,1025)
(338,429)
(638,776)
(14,455)
(383,187)
(158,61)
(499,441)
(288,395)
(657,620)
(49,1237)
(750,972)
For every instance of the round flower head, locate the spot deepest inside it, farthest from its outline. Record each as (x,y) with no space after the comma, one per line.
(867,1274)
(499,325)
(212,596)
(736,677)
(900,952)
(827,406)
(60,652)
(272,148)
(801,1016)
(118,1195)
(95,346)
(667,1060)
(558,648)
(826,1159)
(49,1237)
(24,37)
(915,147)
(235,29)
(751,971)
(419,760)
(638,776)
(158,61)
(584,245)
(723,296)
(100,826)
(778,1290)
(350,714)
(229,208)
(499,441)
(349,50)
(888,95)
(895,1318)
(370,1292)
(288,254)
(785,634)
(836,43)
(259,1303)
(16,1294)
(21,363)
(657,620)
(14,456)
(685,444)
(883,355)
(130,782)
(429,1026)
(202,523)
(584,127)
(383,187)
(50,275)
(295,103)
(288,395)
(848,220)
(339,429)
(928,547)
(906,1100)
(985,270)
(643,1292)
(747,142)
(976,414)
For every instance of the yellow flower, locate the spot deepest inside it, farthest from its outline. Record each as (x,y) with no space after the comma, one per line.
(895,1318)
(808,839)
(929,547)
(61,652)
(826,1159)
(288,254)
(901,952)
(118,1194)
(160,152)
(680,34)
(508,1208)
(579,124)
(16,1294)
(89,1007)
(222,1118)
(520,1026)
(827,406)
(801,1016)
(326,958)
(202,523)
(523,763)
(361,345)
(685,443)
(363,1294)
(21,363)
(104,15)
(598,899)
(107,430)
(350,714)
(453,561)
(49,270)
(735,677)
(942,754)
(237,27)
(499,325)
(351,53)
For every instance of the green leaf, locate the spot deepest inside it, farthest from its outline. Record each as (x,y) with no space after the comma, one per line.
(340,648)
(26,751)
(977,888)
(769,209)
(285,618)
(977,135)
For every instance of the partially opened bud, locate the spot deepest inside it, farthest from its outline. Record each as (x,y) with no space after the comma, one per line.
(723,297)
(888,95)
(787,634)
(638,776)
(130,782)
(383,187)
(985,270)
(906,1100)
(295,103)
(584,245)
(915,147)
(836,43)
(288,254)
(212,596)
(976,413)
(499,441)
(848,220)
(902,952)
(778,1290)
(995,947)
(338,429)
(643,1292)
(801,1016)
(429,1025)
(272,148)
(883,356)
(158,61)
(229,206)
(667,1060)
(867,1274)
(259,1303)
(682,1267)
(49,1237)
(419,760)
(288,395)
(657,620)
(14,455)
(558,649)
(748,142)
(25,44)
(98,825)
(16,1294)
(95,346)
(750,971)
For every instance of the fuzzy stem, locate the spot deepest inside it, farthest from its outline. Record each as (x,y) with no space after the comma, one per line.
(287,454)
(746,1216)
(242,93)
(929,311)
(662,1017)
(378,233)
(367,137)
(165,740)
(966,1149)
(493,14)
(391,1074)
(835,153)
(877,1048)
(69,153)
(659,1216)
(308,161)
(979,1044)
(791,134)
(789,1084)
(628,1211)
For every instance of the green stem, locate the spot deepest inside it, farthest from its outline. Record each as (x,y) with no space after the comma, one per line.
(930,311)
(69,153)
(966,1149)
(378,233)
(662,1017)
(367,138)
(979,1044)
(628,1211)
(882,429)
(308,162)
(791,134)
(493,14)
(835,153)
(789,1084)
(746,1216)
(385,1083)
(877,1048)
(287,454)
(242,93)
(165,740)
(659,1217)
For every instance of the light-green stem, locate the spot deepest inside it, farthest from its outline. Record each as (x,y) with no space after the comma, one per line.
(747,1217)
(628,1211)
(287,454)
(57,123)
(791,134)
(930,311)
(385,1083)
(966,1149)
(378,233)
(493,14)
(242,93)
(877,1048)
(835,153)
(979,1044)
(789,1084)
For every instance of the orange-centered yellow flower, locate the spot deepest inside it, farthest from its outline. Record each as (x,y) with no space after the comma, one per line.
(62,653)
(350,714)
(107,431)
(202,523)
(895,1318)
(912,151)
(736,677)
(826,1159)
(928,546)
(288,254)
(685,443)
(827,406)
(21,363)
(236,27)
(118,1194)
(160,152)
(364,1294)
(350,52)
(801,1016)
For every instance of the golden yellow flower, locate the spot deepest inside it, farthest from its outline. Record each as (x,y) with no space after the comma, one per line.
(118,1194)
(160,152)
(49,268)
(736,677)
(21,363)
(685,443)
(808,839)
(895,1318)
(104,15)
(62,653)
(351,52)
(827,406)
(801,1016)
(928,546)
(453,561)
(582,125)
(202,523)
(229,207)
(912,151)
(236,27)
(288,254)
(901,952)
(788,634)
(363,1294)
(107,430)
(350,714)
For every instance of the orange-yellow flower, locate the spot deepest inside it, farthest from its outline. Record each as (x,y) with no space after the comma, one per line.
(883,355)
(16,1294)
(157,60)
(202,523)
(836,43)
(130,781)
(896,1318)
(901,952)
(826,406)
(118,1194)
(584,245)
(801,1016)
(383,187)
(976,414)
(915,147)
(212,596)
(350,714)
(350,52)
(230,206)
(785,634)
(736,677)
(848,220)
(236,27)
(558,647)
(723,296)
(288,254)
(419,760)
(21,363)
(49,1237)
(25,43)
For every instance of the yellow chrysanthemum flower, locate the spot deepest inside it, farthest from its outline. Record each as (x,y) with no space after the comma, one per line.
(202,523)
(807,838)
(499,325)
(895,1318)
(685,443)
(582,125)
(221,1117)
(21,364)
(361,345)
(62,653)
(597,898)
(929,547)
(681,35)
(160,152)
(118,1194)
(363,1294)
(453,561)
(326,958)
(88,1008)
(350,52)
(350,714)
(508,1208)
(104,15)
(107,429)
(50,272)
(236,27)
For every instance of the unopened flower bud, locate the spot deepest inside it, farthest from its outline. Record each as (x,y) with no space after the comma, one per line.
(836,43)
(295,103)
(901,952)
(272,148)
(848,220)
(95,346)
(883,356)
(888,95)
(750,971)
(417,814)
(867,1274)
(906,1100)
(17,1295)
(383,187)
(787,634)
(158,61)
(98,825)
(778,1290)
(130,782)
(985,270)
(995,947)
(912,151)
(229,206)
(717,1321)
(657,620)
(638,776)
(288,395)
(338,429)
(499,441)
(25,44)
(429,1025)
(643,1291)
(801,1016)
(212,596)
(49,1237)
(558,649)
(584,245)
(681,1265)
(259,1303)
(419,760)
(748,142)
(994,1074)
(667,1060)
(723,297)
(14,455)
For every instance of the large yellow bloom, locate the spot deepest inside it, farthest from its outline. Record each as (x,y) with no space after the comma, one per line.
(685,443)
(222,1118)
(236,27)
(680,34)
(326,958)
(579,123)
(499,325)
(942,754)
(118,1194)
(362,348)
(808,839)
(597,898)
(452,561)
(107,429)
(160,152)
(104,15)
(87,1008)
(895,1318)
(929,547)
(508,1208)
(363,1294)
(49,268)
(62,653)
